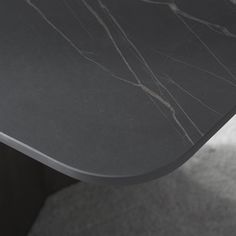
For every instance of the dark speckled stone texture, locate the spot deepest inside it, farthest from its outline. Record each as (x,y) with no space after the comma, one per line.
(115,91)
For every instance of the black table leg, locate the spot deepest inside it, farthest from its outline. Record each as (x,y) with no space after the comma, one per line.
(25,184)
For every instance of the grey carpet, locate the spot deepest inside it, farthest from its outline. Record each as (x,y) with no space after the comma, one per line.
(199,199)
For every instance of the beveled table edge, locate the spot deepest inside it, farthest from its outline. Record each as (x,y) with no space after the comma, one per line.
(112,179)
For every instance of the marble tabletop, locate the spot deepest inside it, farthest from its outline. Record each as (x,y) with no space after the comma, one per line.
(115,91)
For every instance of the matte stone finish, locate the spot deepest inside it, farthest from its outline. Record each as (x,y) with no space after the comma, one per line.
(115,91)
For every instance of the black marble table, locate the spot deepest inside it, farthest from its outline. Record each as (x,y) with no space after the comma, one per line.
(115,91)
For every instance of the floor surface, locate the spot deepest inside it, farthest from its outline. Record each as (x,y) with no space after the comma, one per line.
(197,199)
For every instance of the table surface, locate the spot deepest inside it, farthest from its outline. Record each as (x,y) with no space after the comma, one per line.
(115,91)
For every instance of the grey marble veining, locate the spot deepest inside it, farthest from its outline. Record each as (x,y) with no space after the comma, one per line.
(115,91)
